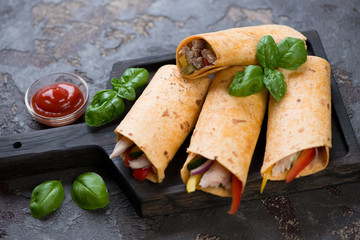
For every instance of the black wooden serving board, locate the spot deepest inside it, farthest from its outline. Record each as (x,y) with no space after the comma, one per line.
(80,145)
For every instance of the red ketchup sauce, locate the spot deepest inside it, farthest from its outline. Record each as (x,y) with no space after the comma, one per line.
(57,100)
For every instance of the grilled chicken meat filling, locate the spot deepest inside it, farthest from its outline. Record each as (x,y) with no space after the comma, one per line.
(216,176)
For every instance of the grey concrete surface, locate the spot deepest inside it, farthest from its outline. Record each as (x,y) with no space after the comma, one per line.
(86,37)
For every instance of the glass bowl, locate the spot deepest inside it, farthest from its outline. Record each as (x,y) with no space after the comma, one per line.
(51,79)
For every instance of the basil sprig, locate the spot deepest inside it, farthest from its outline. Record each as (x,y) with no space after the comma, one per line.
(132,77)
(46,198)
(89,191)
(289,54)
(108,104)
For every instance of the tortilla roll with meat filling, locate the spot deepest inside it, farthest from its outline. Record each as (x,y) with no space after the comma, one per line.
(204,54)
(298,134)
(159,122)
(224,140)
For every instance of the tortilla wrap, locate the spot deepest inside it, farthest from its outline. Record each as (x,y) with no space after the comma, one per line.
(236,46)
(302,118)
(163,116)
(227,129)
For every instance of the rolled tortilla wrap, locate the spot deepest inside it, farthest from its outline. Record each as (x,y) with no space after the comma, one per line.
(162,117)
(236,46)
(227,130)
(302,118)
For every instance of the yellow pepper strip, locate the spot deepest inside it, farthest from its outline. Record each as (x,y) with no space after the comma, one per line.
(183,61)
(265,178)
(192,182)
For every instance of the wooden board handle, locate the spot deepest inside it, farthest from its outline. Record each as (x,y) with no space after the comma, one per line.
(55,139)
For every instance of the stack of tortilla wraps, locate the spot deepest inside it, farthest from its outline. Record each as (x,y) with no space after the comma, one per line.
(228,127)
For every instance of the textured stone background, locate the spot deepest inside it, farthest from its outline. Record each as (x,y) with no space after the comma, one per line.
(86,37)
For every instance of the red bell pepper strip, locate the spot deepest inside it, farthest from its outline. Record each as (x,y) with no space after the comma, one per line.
(206,62)
(304,159)
(236,190)
(141,173)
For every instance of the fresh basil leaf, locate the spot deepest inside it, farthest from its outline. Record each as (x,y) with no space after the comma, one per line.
(267,52)
(89,191)
(248,82)
(292,53)
(127,92)
(46,198)
(275,83)
(133,77)
(105,107)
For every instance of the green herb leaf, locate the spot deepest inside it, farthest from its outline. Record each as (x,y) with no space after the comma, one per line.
(89,191)
(275,83)
(248,82)
(46,198)
(132,77)
(267,52)
(127,92)
(292,53)
(105,107)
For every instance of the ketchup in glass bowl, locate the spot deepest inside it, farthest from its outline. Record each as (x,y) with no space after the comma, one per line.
(57,99)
